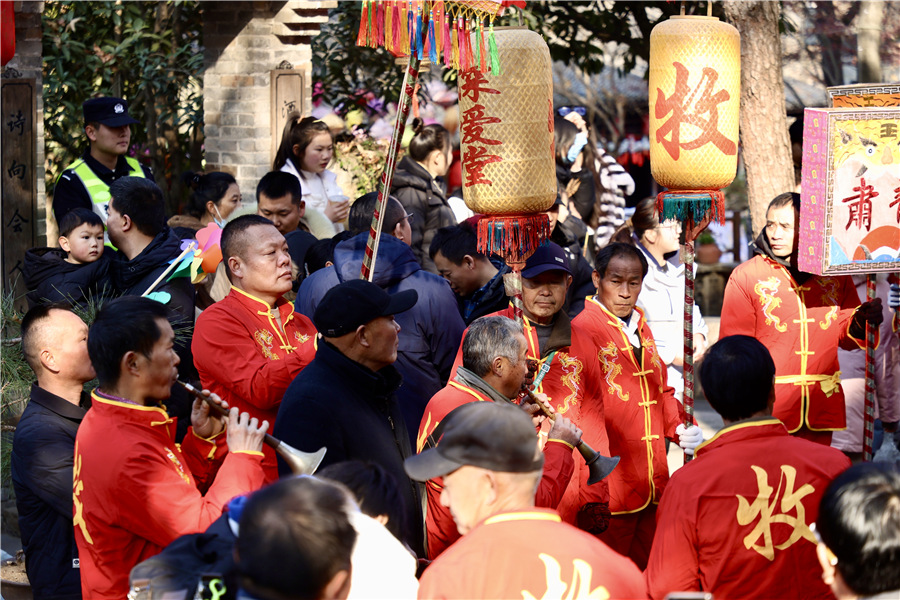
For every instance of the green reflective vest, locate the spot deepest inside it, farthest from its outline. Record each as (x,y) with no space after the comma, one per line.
(97,188)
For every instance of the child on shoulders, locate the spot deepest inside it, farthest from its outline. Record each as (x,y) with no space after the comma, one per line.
(77,271)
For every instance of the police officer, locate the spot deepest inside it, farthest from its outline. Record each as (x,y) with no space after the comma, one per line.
(85,183)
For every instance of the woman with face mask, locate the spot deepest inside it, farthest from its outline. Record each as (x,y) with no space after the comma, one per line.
(662,294)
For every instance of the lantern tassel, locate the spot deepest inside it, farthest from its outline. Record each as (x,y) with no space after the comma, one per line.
(513,237)
(389,28)
(495,55)
(420,34)
(379,23)
(455,52)
(372,42)
(477,62)
(482,60)
(691,207)
(432,42)
(395,30)
(470,58)
(448,43)
(361,36)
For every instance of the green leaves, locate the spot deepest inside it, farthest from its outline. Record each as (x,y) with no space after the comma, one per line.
(149,53)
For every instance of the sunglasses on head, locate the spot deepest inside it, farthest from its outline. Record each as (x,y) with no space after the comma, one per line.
(564,110)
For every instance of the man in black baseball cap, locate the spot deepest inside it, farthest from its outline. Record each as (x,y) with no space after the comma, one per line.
(85,183)
(345,398)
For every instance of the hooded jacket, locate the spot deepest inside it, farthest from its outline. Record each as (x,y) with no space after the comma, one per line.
(51,279)
(430,332)
(426,200)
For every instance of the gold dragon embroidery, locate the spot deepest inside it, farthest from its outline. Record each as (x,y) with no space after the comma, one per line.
(178,466)
(650,346)
(766,291)
(831,297)
(301,337)
(570,380)
(611,369)
(264,339)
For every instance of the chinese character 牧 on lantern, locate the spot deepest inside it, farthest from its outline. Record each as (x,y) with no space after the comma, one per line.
(695,90)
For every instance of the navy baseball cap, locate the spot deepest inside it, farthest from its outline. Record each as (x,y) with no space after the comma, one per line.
(548,257)
(109,111)
(356,302)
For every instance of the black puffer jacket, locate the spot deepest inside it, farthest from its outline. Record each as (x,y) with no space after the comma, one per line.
(51,279)
(426,200)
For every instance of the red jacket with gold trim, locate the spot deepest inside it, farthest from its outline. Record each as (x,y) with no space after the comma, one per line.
(639,407)
(735,521)
(566,382)
(439,525)
(802,326)
(243,355)
(530,553)
(135,490)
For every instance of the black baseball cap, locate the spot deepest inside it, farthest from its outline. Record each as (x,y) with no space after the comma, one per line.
(352,303)
(548,257)
(490,435)
(109,111)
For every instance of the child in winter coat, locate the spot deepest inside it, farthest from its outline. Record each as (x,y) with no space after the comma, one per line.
(77,271)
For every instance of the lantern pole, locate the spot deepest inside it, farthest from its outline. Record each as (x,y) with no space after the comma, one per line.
(687,258)
(869,414)
(384,184)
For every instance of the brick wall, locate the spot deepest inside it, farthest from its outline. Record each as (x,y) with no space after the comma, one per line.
(243,42)
(27,64)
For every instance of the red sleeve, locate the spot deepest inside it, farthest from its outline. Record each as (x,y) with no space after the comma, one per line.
(673,565)
(738,311)
(558,468)
(162,502)
(222,344)
(849,303)
(204,457)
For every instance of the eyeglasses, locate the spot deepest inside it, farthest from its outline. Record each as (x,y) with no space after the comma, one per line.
(409,217)
(564,110)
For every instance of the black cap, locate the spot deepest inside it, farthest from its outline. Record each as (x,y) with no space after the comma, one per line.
(109,111)
(352,303)
(498,437)
(547,257)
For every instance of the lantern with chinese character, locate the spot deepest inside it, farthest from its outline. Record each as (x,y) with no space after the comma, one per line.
(506,128)
(695,90)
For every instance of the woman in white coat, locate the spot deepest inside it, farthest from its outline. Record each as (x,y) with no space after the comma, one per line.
(662,294)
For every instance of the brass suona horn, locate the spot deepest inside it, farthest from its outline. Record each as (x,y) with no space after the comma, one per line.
(301,463)
(599,466)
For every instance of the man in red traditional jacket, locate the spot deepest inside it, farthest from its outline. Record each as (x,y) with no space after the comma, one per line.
(735,522)
(562,363)
(489,461)
(249,346)
(639,407)
(493,370)
(802,319)
(135,490)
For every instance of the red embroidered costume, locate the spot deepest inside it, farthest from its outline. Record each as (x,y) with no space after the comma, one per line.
(802,326)
(439,525)
(640,411)
(243,355)
(135,491)
(565,383)
(530,554)
(735,521)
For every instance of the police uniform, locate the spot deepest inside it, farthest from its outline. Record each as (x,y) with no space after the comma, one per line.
(85,183)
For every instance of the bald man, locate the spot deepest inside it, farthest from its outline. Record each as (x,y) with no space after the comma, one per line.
(54,340)
(249,346)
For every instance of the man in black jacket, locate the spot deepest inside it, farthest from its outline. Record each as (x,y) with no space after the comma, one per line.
(345,398)
(137,227)
(54,341)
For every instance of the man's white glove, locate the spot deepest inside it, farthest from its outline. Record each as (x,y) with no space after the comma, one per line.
(689,437)
(894,296)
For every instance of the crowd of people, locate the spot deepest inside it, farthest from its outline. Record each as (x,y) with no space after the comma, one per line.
(469,452)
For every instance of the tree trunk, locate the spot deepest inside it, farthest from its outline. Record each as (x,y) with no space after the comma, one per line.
(764,132)
(868,38)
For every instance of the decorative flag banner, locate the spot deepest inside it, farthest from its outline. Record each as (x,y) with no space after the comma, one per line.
(461,31)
